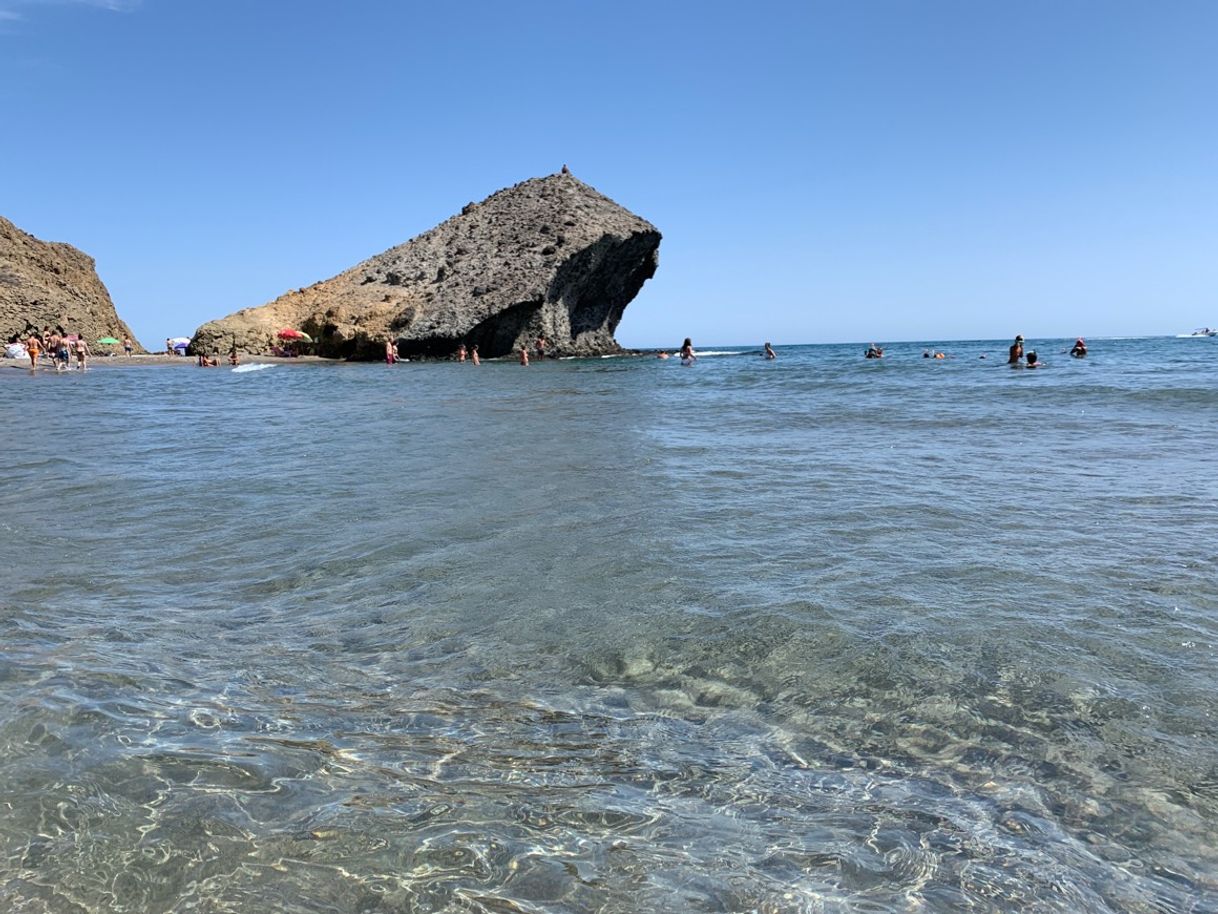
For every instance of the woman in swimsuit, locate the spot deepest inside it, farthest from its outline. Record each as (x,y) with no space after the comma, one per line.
(688,356)
(32,347)
(82,353)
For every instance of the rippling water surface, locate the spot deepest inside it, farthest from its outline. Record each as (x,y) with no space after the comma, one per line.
(813,635)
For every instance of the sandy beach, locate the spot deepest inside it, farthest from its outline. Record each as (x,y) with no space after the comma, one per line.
(159,358)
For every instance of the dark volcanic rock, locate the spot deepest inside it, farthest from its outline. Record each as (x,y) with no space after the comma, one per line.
(498,275)
(47,284)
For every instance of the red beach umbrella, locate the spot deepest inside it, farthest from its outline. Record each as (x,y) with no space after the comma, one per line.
(289,334)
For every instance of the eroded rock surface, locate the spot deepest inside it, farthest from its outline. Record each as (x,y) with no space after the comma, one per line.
(548,257)
(49,284)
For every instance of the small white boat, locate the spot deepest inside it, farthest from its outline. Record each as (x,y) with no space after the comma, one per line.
(1197,334)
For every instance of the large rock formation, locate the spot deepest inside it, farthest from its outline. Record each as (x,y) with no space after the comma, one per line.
(48,284)
(549,257)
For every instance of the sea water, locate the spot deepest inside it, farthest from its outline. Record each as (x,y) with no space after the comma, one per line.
(816,634)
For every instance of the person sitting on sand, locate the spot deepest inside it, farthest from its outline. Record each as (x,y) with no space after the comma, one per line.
(768,352)
(1015,353)
(1080,348)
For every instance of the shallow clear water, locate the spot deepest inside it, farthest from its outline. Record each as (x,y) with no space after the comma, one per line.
(817,634)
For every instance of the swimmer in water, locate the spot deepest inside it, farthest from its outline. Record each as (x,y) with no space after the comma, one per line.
(461,353)
(1033,362)
(769,352)
(1015,353)
(473,355)
(662,354)
(688,356)
(873,352)
(1080,348)
(524,356)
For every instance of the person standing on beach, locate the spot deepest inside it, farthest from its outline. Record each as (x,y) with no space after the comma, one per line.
(82,353)
(1015,353)
(53,341)
(33,346)
(127,346)
(540,346)
(63,355)
(473,354)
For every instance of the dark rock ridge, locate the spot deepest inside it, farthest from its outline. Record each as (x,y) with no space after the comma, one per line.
(548,257)
(48,284)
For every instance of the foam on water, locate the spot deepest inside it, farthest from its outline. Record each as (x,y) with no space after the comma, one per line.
(810,634)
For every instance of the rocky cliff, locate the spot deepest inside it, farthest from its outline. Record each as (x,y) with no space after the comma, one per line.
(548,257)
(47,284)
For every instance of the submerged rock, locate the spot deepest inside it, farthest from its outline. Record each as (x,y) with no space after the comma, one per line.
(48,284)
(549,257)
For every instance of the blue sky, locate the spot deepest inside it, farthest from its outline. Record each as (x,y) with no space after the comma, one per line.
(821,171)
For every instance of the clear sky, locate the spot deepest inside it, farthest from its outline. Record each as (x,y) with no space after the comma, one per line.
(826,170)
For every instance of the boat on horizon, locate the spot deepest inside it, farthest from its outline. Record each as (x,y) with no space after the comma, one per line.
(1198,333)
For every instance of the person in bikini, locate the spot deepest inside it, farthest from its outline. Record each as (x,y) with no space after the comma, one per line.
(82,353)
(33,346)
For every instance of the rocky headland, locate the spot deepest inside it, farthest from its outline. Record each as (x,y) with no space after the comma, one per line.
(550,257)
(49,284)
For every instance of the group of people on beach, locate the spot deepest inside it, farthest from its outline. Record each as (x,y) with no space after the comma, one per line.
(60,346)
(470,354)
